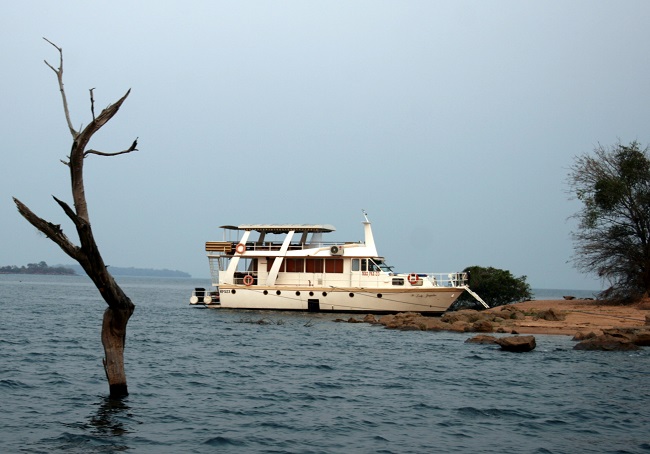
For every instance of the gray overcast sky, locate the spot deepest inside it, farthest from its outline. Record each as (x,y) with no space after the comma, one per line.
(453,123)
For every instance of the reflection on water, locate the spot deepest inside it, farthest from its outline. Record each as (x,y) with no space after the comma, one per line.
(112,416)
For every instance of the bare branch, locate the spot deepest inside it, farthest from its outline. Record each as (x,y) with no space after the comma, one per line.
(101,153)
(59,76)
(78,222)
(77,154)
(52,231)
(92,103)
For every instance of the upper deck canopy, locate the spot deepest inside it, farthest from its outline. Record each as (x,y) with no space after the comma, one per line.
(282,228)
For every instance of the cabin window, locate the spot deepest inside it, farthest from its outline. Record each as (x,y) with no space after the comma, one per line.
(314,265)
(382,266)
(294,265)
(365,265)
(398,281)
(269,264)
(310,265)
(333,265)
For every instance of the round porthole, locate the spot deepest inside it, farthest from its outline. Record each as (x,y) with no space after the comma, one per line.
(234,291)
(278,292)
(311,293)
(266,292)
(351,295)
(297,293)
(324,293)
(379,295)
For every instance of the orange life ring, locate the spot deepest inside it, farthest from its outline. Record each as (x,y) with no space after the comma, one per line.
(241,248)
(248,280)
(413,278)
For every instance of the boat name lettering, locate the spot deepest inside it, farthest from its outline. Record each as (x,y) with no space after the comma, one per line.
(224,291)
(370,273)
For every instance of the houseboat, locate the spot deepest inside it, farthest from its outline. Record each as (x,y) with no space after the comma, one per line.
(291,267)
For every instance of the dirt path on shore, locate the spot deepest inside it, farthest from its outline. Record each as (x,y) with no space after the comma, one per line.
(581,316)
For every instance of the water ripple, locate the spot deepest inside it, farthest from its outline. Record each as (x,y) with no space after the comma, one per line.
(201,381)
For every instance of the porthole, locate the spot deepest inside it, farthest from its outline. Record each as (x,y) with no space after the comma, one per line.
(351,295)
(324,293)
(311,293)
(297,293)
(379,295)
(234,291)
(266,292)
(278,292)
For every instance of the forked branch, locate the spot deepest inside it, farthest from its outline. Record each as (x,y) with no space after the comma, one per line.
(52,231)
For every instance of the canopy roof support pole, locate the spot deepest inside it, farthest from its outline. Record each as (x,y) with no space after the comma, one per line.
(275,269)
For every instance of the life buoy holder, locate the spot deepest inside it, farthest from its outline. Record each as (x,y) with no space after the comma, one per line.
(241,248)
(248,280)
(413,278)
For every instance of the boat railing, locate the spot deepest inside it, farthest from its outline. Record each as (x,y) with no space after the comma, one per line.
(246,278)
(214,248)
(456,279)
(336,280)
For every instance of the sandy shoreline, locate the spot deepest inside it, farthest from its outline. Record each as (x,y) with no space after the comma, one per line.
(580,316)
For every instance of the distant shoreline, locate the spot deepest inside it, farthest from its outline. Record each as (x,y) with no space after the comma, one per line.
(136,272)
(41,268)
(44,269)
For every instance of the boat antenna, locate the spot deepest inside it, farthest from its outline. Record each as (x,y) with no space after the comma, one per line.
(365,215)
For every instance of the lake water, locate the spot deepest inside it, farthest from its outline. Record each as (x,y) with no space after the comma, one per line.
(203,380)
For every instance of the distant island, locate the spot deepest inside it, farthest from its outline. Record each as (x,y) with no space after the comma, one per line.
(73,270)
(37,268)
(135,272)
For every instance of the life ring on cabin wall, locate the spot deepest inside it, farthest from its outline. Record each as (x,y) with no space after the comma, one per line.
(241,248)
(248,280)
(413,278)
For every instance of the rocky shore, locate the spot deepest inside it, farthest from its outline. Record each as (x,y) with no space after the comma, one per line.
(594,324)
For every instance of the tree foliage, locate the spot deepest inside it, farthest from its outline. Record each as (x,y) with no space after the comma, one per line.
(36,268)
(613,235)
(495,286)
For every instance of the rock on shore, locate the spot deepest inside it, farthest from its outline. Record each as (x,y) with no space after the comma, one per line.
(593,324)
(508,343)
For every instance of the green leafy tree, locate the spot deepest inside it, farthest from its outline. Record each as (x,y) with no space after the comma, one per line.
(495,286)
(613,235)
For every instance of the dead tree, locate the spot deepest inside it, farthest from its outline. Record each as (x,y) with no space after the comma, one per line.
(87,253)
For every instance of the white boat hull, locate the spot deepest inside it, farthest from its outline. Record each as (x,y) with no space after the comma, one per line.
(432,301)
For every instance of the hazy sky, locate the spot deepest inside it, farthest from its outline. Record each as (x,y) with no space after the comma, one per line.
(453,123)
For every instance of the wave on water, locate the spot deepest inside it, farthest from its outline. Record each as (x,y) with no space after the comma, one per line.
(201,380)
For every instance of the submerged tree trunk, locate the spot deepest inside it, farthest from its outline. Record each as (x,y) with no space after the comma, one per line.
(120,308)
(114,339)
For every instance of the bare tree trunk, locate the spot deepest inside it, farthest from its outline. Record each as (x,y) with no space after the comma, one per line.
(113,339)
(120,308)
